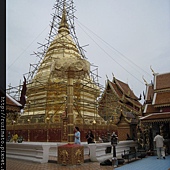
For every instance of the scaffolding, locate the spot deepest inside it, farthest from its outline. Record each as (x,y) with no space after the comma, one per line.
(47,98)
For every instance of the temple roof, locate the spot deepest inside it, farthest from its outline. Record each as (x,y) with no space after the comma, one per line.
(123,90)
(11,101)
(12,104)
(149,93)
(149,108)
(161,99)
(162,81)
(118,100)
(157,100)
(156,117)
(158,93)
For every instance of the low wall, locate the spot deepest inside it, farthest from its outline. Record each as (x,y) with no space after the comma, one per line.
(31,152)
(41,151)
(98,150)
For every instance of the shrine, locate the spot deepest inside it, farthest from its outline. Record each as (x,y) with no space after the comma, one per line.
(120,107)
(156,114)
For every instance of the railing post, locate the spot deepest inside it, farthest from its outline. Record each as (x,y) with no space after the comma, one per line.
(92,148)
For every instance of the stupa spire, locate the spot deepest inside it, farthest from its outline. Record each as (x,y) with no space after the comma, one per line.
(64,27)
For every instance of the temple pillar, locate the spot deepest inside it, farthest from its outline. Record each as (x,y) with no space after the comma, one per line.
(70,125)
(70,154)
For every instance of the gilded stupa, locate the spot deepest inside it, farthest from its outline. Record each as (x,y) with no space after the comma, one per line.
(45,116)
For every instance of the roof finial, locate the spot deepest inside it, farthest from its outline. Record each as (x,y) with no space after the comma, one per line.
(63,24)
(144,80)
(152,70)
(113,78)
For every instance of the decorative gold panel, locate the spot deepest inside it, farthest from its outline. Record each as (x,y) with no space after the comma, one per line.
(70,154)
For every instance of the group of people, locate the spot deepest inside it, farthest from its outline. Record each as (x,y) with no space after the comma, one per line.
(14,138)
(158,140)
(89,136)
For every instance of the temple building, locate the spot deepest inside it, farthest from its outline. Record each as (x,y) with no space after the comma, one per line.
(13,111)
(119,106)
(13,108)
(156,114)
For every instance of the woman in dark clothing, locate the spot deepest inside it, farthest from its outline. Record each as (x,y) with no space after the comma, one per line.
(90,137)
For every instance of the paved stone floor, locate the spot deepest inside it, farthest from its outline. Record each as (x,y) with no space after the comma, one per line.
(14,164)
(148,163)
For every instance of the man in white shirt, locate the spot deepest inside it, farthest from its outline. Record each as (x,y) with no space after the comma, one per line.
(159,141)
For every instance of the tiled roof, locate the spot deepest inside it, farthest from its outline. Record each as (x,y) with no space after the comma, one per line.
(11,101)
(162,99)
(121,88)
(162,81)
(150,109)
(157,117)
(12,104)
(126,89)
(116,90)
(150,92)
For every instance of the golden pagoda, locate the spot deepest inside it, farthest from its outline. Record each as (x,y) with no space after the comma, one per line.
(61,95)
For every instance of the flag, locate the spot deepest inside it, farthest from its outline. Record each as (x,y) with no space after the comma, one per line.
(23,93)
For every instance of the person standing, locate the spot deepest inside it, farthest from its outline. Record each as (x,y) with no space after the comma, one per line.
(77,136)
(90,137)
(159,142)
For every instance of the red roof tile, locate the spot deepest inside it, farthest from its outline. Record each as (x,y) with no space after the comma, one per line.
(121,88)
(162,81)
(12,104)
(162,99)
(150,92)
(126,89)
(150,109)
(157,117)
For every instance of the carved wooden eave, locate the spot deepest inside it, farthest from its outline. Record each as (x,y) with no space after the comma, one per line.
(12,109)
(130,117)
(131,108)
(156,117)
(117,119)
(162,105)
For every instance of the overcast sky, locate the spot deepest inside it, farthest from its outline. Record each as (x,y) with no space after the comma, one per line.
(124,37)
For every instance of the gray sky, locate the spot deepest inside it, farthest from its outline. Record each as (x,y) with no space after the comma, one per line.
(125,37)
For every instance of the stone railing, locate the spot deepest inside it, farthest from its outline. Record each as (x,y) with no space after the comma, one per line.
(98,150)
(41,151)
(32,152)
